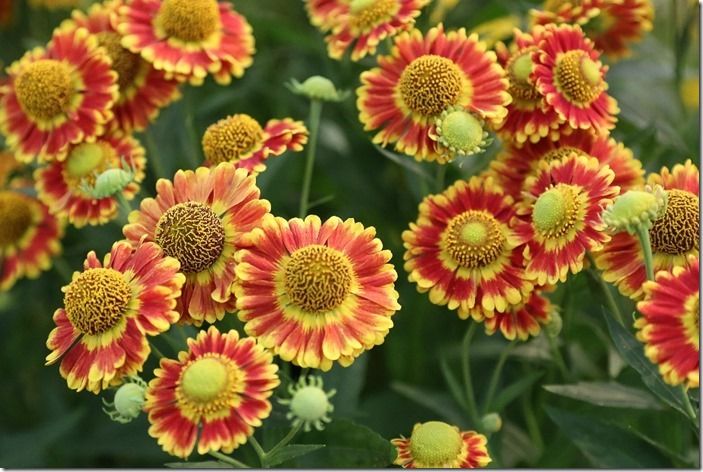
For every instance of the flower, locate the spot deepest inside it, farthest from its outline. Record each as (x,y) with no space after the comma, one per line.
(240,139)
(309,403)
(560,215)
(215,394)
(523,320)
(109,308)
(313,292)
(64,185)
(463,251)
(365,23)
(199,219)
(317,87)
(459,132)
(56,96)
(421,78)
(635,209)
(188,39)
(128,402)
(568,73)
(674,236)
(143,90)
(437,445)
(670,323)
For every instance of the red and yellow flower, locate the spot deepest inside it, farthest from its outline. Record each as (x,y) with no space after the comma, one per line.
(109,309)
(65,186)
(560,215)
(463,251)
(423,77)
(364,23)
(673,237)
(57,96)
(670,323)
(188,39)
(241,140)
(214,395)
(523,320)
(200,219)
(315,293)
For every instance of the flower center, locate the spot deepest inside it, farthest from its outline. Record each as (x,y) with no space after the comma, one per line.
(309,403)
(231,138)
(192,233)
(189,20)
(16,217)
(207,386)
(318,278)
(579,77)
(461,130)
(87,158)
(677,231)
(125,63)
(435,444)
(562,152)
(367,14)
(474,239)
(44,88)
(97,300)
(519,68)
(555,211)
(430,84)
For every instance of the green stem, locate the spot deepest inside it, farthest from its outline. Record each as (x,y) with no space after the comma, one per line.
(125,207)
(471,407)
(687,404)
(258,449)
(532,424)
(643,235)
(156,350)
(493,385)
(229,460)
(153,157)
(286,439)
(441,174)
(558,358)
(605,288)
(314,126)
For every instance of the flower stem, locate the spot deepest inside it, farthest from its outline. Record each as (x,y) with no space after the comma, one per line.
(493,385)
(258,449)
(605,288)
(439,179)
(229,460)
(643,235)
(125,207)
(156,350)
(314,125)
(286,439)
(471,407)
(558,358)
(687,404)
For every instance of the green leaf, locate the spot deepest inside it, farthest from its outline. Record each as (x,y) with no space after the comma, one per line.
(514,390)
(438,402)
(454,387)
(348,381)
(406,162)
(609,394)
(290,452)
(198,465)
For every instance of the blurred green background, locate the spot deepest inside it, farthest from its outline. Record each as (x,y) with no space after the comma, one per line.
(395,385)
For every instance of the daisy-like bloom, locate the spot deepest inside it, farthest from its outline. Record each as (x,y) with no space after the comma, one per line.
(188,39)
(560,215)
(670,323)
(421,78)
(241,140)
(199,219)
(64,186)
(437,445)
(214,395)
(523,320)
(463,251)
(315,293)
(108,310)
(515,163)
(56,96)
(143,90)
(568,73)
(363,22)
(673,237)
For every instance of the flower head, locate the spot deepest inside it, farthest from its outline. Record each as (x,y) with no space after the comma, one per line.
(309,403)
(523,320)
(128,401)
(459,132)
(317,87)
(636,208)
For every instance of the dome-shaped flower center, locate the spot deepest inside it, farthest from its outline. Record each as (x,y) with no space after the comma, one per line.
(678,230)
(310,403)
(124,62)
(519,68)
(192,233)
(318,278)
(435,444)
(562,152)
(189,20)
(88,158)
(430,84)
(369,13)
(473,239)
(232,138)
(578,77)
(97,300)
(44,88)
(208,385)
(15,217)
(556,210)
(461,130)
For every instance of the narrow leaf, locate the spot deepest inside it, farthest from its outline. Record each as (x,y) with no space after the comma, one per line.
(609,394)
(290,452)
(438,402)
(198,465)
(406,162)
(453,384)
(513,391)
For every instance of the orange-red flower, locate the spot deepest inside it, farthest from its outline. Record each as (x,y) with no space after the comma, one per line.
(214,395)
(315,293)
(523,320)
(109,309)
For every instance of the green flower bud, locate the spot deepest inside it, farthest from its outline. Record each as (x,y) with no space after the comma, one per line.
(309,403)
(128,401)
(318,88)
(554,325)
(492,422)
(635,209)
(460,132)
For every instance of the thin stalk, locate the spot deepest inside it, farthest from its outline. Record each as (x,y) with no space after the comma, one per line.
(229,460)
(687,404)
(125,207)
(441,174)
(286,439)
(258,449)
(558,358)
(471,407)
(156,350)
(314,126)
(153,157)
(605,288)
(643,235)
(532,424)
(495,378)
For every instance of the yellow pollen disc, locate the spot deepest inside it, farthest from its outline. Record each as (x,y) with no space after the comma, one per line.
(555,211)
(232,138)
(430,84)
(125,63)
(204,379)
(15,217)
(562,152)
(44,88)
(435,444)
(578,77)
(209,387)
(367,14)
(519,68)
(87,158)
(318,278)
(189,20)
(97,300)
(473,239)
(461,130)
(192,233)
(678,230)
